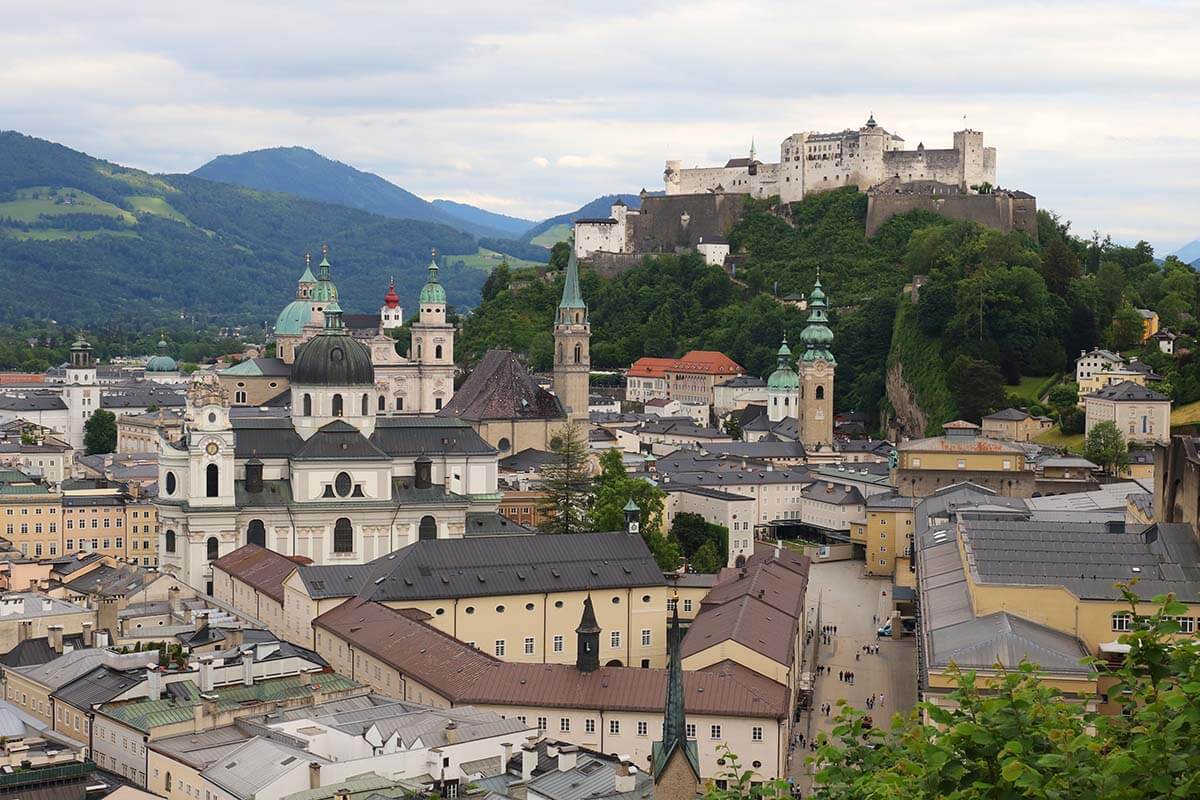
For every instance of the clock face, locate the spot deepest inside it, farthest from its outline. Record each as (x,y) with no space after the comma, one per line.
(212,448)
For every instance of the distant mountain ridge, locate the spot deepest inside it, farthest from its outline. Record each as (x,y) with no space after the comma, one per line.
(600,207)
(306,173)
(1189,253)
(512,227)
(93,241)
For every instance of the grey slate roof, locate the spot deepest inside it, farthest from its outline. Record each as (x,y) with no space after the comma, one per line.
(528,459)
(742,381)
(33,402)
(256,764)
(501,388)
(1009,415)
(339,441)
(32,652)
(838,494)
(487,523)
(472,567)
(274,437)
(759,450)
(1003,638)
(1128,391)
(98,686)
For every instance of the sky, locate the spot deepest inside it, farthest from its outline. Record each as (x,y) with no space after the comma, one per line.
(532,108)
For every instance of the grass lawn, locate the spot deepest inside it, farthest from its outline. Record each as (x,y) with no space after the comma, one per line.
(548,238)
(1186,414)
(489,259)
(1056,438)
(1032,387)
(148,204)
(28,208)
(55,235)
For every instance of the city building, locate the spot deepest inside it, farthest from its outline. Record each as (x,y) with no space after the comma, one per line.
(1149,323)
(736,393)
(689,379)
(1015,425)
(1140,414)
(961,454)
(139,433)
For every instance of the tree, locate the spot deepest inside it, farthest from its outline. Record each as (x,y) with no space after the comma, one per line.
(1059,266)
(565,482)
(693,532)
(560,254)
(1106,447)
(100,432)
(1016,736)
(707,559)
(733,427)
(1126,330)
(614,488)
(977,386)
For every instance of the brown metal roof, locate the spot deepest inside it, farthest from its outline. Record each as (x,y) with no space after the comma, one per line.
(774,584)
(749,622)
(259,567)
(463,674)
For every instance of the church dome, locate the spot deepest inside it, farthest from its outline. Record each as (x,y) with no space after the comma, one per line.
(391,299)
(293,318)
(162,362)
(784,377)
(333,357)
(433,293)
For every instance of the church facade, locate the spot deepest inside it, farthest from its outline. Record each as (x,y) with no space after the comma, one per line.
(335,480)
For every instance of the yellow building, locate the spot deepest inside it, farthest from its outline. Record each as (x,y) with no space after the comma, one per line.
(1149,323)
(889,532)
(1117,374)
(31,519)
(961,454)
(1014,425)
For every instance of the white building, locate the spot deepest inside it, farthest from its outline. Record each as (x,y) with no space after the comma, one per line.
(1140,414)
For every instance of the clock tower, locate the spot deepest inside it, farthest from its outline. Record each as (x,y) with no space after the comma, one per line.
(817,366)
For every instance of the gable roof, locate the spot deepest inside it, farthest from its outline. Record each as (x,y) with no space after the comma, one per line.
(339,441)
(1128,391)
(1008,415)
(501,388)
(748,621)
(261,568)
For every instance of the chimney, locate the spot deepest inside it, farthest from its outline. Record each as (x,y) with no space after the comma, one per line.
(626,777)
(248,668)
(89,637)
(206,674)
(506,754)
(314,775)
(341,794)
(47,604)
(200,619)
(568,755)
(173,599)
(24,629)
(101,638)
(529,760)
(153,683)
(207,712)
(234,636)
(451,732)
(54,636)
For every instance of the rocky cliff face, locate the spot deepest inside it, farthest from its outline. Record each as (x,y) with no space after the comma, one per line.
(910,419)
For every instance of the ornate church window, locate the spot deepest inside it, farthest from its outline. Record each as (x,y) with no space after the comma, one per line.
(342,484)
(343,536)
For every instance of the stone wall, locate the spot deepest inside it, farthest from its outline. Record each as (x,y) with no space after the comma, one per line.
(1002,210)
(672,222)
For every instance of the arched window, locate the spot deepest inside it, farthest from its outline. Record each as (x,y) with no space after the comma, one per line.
(170,483)
(308,405)
(382,403)
(256,533)
(212,480)
(428,529)
(560,355)
(366,405)
(437,352)
(213,548)
(343,536)
(503,445)
(337,405)
(169,536)
(578,353)
(820,392)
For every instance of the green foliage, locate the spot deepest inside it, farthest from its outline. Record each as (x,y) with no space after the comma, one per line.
(1106,447)
(1126,328)
(919,358)
(733,427)
(100,432)
(613,489)
(704,544)
(565,482)
(977,386)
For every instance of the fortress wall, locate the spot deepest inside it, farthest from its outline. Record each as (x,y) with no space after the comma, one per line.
(923,165)
(707,179)
(659,227)
(1003,212)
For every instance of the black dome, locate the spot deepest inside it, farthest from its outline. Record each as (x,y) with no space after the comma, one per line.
(333,360)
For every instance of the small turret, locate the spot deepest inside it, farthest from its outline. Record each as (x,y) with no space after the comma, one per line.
(587,654)
(633,517)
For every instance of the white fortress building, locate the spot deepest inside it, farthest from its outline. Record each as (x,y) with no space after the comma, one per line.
(814,162)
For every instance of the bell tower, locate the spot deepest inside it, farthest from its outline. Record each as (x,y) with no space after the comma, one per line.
(433,345)
(572,340)
(817,367)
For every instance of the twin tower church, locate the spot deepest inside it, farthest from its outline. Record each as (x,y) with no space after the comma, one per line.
(359,451)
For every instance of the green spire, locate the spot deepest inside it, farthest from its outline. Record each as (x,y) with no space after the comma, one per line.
(784,377)
(571,296)
(675,723)
(631,506)
(433,293)
(816,336)
(308,276)
(324,291)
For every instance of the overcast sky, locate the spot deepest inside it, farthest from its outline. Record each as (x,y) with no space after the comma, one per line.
(533,108)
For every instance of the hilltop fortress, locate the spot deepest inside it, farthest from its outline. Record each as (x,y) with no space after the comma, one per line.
(815,162)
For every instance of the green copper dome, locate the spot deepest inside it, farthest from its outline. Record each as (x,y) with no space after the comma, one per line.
(162,362)
(433,293)
(784,378)
(324,291)
(816,336)
(334,357)
(293,318)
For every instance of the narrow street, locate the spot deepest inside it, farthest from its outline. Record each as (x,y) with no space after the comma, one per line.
(848,600)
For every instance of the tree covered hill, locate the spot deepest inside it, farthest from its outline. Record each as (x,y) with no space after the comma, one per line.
(90,239)
(995,308)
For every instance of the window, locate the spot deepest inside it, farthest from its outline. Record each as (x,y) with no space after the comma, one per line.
(382,403)
(119,543)
(1186,624)
(690,730)
(503,445)
(239,396)
(106,543)
(437,352)
(756,734)
(614,726)
(528,645)
(541,724)
(687,604)
(616,638)
(256,533)
(1122,621)
(645,637)
(714,732)
(399,403)
(564,725)
(499,647)
(308,405)
(642,728)
(343,536)
(342,484)
(428,528)
(169,538)
(589,726)
(820,392)
(366,405)
(437,403)
(212,474)
(212,547)
(337,405)
(962,463)
(558,644)
(1007,464)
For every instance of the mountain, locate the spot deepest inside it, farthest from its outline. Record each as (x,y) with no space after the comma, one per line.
(1189,253)
(511,227)
(556,229)
(306,173)
(94,241)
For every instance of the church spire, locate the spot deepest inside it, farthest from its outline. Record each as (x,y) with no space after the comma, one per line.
(674,743)
(572,297)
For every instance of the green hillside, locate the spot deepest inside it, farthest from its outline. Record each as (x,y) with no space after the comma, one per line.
(92,240)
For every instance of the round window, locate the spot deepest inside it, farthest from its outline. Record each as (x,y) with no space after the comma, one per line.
(558,603)
(470,609)
(336,355)
(170,482)
(499,609)
(529,606)
(440,611)
(645,598)
(342,484)
(616,601)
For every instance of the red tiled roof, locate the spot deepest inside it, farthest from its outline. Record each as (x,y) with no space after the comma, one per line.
(774,584)
(261,568)
(748,621)
(704,362)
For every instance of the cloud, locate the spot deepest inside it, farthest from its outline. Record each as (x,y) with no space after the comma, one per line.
(1091,104)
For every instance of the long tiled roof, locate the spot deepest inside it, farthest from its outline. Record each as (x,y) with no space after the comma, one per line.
(772,583)
(703,362)
(275,437)
(263,569)
(501,388)
(1128,391)
(748,621)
